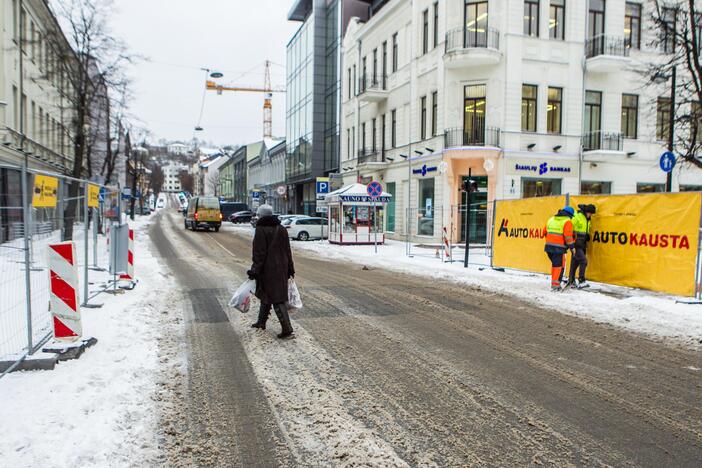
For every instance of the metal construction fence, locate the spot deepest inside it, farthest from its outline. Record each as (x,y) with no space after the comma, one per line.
(440,232)
(36,210)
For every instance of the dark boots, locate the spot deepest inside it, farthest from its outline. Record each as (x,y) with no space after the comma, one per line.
(263,312)
(281,311)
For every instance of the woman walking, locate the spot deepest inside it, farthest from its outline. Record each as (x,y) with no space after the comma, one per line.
(272,267)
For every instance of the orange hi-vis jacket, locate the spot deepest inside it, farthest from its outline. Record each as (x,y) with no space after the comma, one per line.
(559,234)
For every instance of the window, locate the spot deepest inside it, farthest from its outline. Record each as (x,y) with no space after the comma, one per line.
(540,187)
(595,21)
(630,111)
(690,188)
(425,31)
(348,144)
(394,53)
(393,128)
(696,123)
(668,18)
(632,25)
(645,187)
(436,24)
(593,119)
(529,93)
(553,110)
(384,62)
(423,118)
(556,20)
(355,93)
(373,136)
(434,112)
(375,66)
(363,138)
(32,40)
(531,18)
(382,135)
(663,119)
(364,75)
(476,16)
(353,141)
(595,188)
(474,115)
(425,222)
(350,83)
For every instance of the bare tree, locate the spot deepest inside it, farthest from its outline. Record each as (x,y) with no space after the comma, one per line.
(156,179)
(677,35)
(93,62)
(212,180)
(186,181)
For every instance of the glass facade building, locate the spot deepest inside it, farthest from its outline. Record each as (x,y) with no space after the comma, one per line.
(313,96)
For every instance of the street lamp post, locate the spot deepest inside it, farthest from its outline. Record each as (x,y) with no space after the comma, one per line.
(671,129)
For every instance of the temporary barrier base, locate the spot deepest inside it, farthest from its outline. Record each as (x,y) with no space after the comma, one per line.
(67,351)
(689,302)
(38,361)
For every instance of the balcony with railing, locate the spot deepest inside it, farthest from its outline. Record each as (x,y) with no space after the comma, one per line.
(601,146)
(606,54)
(373,88)
(472,46)
(369,156)
(458,137)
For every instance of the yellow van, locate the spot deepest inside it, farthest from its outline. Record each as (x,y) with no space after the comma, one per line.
(203,212)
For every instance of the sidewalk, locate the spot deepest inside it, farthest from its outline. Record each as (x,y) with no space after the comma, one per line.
(97,410)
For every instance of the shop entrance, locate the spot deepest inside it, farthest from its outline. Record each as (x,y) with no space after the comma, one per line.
(478,211)
(540,187)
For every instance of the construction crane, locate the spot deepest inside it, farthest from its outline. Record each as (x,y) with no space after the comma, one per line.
(268,91)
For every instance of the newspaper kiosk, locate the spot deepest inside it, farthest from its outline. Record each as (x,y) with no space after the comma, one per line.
(354,216)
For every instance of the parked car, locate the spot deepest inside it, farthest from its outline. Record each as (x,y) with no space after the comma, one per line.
(241,217)
(203,212)
(229,208)
(281,217)
(305,228)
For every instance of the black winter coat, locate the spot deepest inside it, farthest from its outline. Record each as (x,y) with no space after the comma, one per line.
(272,261)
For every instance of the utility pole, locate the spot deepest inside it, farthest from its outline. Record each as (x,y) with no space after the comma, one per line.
(134,177)
(671,129)
(468,187)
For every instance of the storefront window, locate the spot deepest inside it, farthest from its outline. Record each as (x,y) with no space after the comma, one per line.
(349,219)
(391,206)
(540,187)
(645,187)
(334,219)
(595,188)
(425,212)
(691,188)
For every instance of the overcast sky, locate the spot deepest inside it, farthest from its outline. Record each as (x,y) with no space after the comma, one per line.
(179,37)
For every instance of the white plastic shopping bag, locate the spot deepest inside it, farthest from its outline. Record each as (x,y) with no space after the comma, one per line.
(294,299)
(241,300)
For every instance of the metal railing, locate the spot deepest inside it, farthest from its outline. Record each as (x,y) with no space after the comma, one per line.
(372,83)
(465,38)
(606,45)
(605,141)
(369,157)
(489,136)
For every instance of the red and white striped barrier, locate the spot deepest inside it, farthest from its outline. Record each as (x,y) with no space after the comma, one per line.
(64,303)
(129,275)
(447,246)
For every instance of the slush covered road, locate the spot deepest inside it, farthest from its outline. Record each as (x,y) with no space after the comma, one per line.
(390,369)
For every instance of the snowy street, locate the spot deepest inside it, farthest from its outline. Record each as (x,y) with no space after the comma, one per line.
(396,369)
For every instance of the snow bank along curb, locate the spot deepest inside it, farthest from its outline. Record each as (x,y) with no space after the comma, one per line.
(99,410)
(652,314)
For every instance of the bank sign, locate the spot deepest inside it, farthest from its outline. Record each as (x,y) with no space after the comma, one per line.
(424,170)
(542,168)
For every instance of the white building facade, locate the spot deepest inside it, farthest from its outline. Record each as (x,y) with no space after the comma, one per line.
(531,97)
(171,177)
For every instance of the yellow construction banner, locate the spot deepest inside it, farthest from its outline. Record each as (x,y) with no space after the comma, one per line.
(93,196)
(519,232)
(647,241)
(45,191)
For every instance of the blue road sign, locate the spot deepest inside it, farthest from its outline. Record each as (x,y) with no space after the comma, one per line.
(322,185)
(256,195)
(667,161)
(101,194)
(374,189)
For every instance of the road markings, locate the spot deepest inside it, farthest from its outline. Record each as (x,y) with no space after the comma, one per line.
(223,247)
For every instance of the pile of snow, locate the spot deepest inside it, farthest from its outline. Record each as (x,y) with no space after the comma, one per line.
(97,410)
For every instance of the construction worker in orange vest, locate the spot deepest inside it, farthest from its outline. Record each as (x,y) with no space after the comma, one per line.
(559,239)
